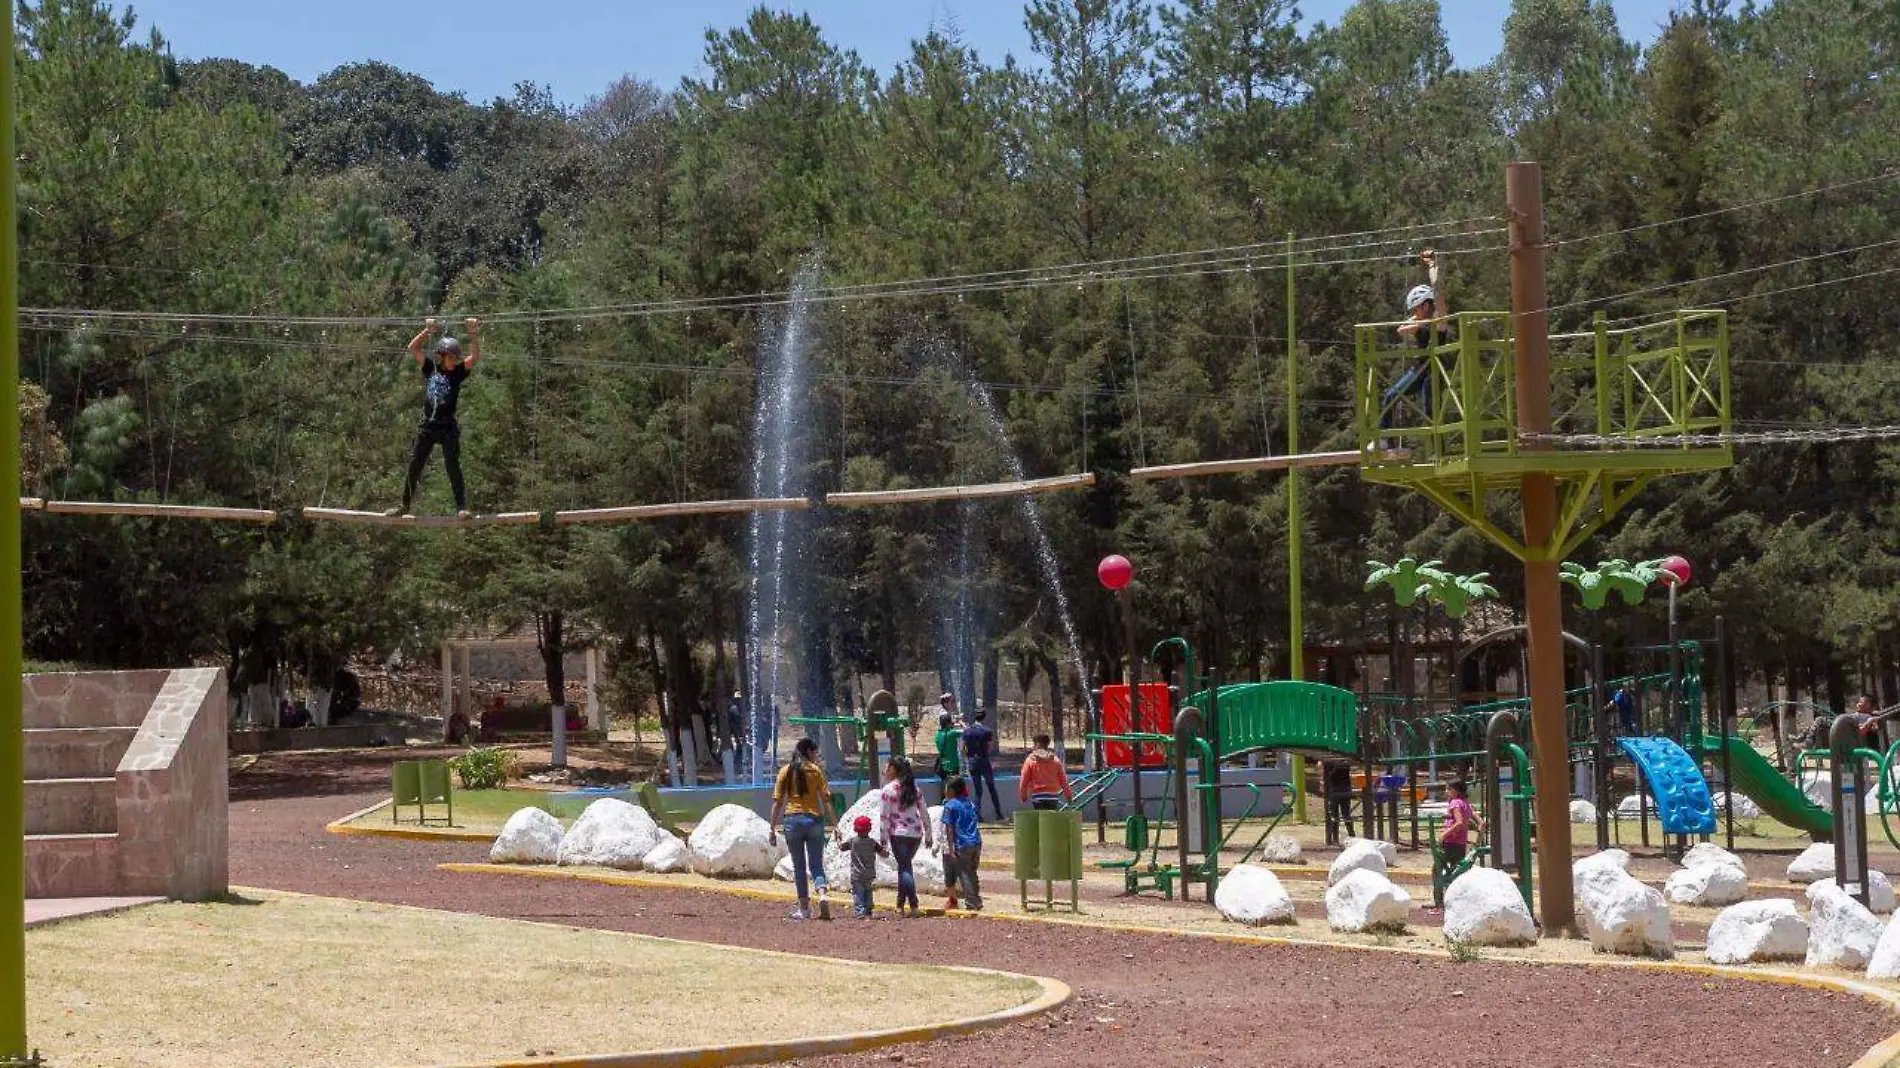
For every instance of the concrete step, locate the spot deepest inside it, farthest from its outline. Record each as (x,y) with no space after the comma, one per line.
(92,699)
(76,752)
(72,865)
(71,806)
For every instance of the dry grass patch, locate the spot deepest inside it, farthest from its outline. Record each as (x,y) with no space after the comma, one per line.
(307,982)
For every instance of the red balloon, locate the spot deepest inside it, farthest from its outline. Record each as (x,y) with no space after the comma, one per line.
(1676,571)
(1115,572)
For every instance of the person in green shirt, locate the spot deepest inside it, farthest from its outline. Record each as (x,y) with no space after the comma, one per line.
(949,739)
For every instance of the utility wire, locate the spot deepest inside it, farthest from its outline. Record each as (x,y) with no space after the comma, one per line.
(1885,176)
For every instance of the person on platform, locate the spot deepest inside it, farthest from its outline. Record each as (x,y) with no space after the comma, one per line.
(1426,327)
(442,378)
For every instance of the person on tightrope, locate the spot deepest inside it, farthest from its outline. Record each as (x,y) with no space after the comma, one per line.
(1426,327)
(442,376)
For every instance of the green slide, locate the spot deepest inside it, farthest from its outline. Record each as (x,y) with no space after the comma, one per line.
(1756,777)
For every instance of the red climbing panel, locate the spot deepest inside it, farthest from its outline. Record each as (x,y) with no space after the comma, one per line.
(1157,717)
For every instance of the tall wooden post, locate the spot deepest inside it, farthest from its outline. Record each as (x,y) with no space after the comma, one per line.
(1543,603)
(1296,626)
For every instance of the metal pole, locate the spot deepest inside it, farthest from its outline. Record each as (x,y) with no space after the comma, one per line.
(1725,726)
(1296,626)
(1126,599)
(1543,601)
(1600,700)
(12,710)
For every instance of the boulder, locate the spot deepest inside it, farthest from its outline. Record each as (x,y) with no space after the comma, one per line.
(1756,931)
(1252,895)
(1386,849)
(1841,932)
(1582,811)
(1483,907)
(1631,807)
(1815,862)
(611,834)
(1367,901)
(1707,885)
(1885,962)
(1359,854)
(531,836)
(1880,897)
(733,842)
(1820,790)
(1709,853)
(1745,806)
(669,856)
(1607,858)
(1281,849)
(1623,914)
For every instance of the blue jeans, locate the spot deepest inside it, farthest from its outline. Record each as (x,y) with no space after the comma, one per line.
(903,851)
(805,837)
(860,900)
(982,772)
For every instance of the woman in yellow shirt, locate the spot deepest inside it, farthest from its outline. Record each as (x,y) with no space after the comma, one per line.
(802,799)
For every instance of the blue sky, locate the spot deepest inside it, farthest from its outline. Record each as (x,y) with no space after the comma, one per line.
(483,47)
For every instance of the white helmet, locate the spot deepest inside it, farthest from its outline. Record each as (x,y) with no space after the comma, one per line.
(1419,295)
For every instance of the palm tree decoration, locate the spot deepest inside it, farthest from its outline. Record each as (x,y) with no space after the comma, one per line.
(1456,592)
(1407,577)
(1630,581)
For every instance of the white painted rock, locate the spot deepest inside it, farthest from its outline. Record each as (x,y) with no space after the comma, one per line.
(1367,901)
(1709,853)
(1880,897)
(1582,811)
(1630,807)
(1820,790)
(1617,859)
(1885,963)
(611,834)
(669,856)
(531,836)
(1841,932)
(1386,849)
(1483,907)
(1281,849)
(1758,931)
(1707,885)
(1253,895)
(1745,806)
(1623,914)
(733,842)
(1359,854)
(1815,862)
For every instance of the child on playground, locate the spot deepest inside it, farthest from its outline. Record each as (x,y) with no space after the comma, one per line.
(1455,839)
(962,847)
(442,377)
(864,852)
(1044,783)
(1425,328)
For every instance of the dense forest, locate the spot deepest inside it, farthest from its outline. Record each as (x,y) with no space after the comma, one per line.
(1746,160)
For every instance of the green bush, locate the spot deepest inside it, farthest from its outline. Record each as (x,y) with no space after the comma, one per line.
(485,768)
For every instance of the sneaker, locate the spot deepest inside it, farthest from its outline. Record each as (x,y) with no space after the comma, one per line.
(395,513)
(824,906)
(464,514)
(800,913)
(913,912)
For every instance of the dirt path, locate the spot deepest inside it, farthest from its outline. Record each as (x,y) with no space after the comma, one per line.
(1140,1001)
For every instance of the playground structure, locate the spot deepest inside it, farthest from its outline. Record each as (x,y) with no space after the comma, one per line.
(881,715)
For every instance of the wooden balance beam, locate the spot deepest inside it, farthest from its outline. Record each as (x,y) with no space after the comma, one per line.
(980,491)
(1256,463)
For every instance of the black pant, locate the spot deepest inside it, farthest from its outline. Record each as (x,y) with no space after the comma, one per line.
(1046,804)
(1339,809)
(1454,856)
(427,438)
(980,773)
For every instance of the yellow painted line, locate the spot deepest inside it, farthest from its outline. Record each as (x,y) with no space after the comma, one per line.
(344,827)
(1877,1056)
(1054,994)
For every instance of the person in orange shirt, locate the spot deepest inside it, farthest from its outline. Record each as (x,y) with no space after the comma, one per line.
(1044,782)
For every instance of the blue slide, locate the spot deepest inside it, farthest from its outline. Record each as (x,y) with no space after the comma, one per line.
(1675,781)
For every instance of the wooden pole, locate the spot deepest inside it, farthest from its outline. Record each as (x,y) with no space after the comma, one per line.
(1543,602)
(159,511)
(961,493)
(1296,625)
(1292,462)
(661,511)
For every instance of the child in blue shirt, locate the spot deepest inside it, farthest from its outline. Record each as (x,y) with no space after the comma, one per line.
(962,846)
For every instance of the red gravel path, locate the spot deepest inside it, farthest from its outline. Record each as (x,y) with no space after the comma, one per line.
(1143,1001)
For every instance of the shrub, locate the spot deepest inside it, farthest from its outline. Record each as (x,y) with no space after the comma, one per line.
(485,768)
(1463,952)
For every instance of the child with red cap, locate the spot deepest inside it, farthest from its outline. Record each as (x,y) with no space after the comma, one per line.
(864,851)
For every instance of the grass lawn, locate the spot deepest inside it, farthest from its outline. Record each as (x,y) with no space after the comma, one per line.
(306,982)
(475,810)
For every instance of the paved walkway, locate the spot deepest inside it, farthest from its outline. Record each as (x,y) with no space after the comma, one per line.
(44,910)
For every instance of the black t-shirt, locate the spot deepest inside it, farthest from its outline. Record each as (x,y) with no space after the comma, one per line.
(441,389)
(976,741)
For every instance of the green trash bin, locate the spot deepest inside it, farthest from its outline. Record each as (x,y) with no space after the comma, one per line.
(1058,843)
(1028,855)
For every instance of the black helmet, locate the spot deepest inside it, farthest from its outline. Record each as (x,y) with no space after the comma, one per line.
(448,346)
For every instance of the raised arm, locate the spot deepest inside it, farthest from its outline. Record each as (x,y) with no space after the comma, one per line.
(474,327)
(421,340)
